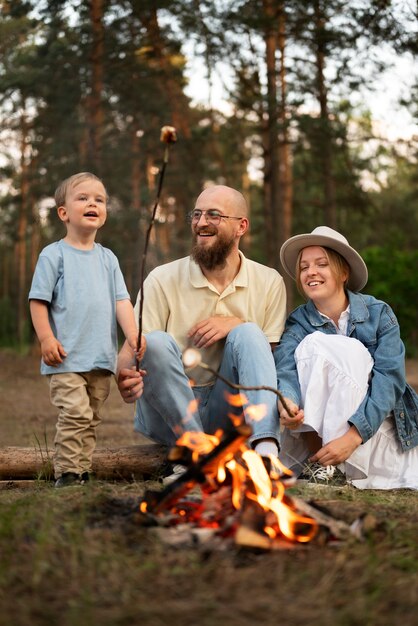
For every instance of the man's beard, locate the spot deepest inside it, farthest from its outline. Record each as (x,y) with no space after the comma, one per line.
(213,256)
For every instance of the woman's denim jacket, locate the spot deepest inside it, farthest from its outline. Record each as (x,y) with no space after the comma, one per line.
(374,324)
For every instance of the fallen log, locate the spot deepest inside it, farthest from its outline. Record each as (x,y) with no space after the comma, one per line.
(6,485)
(125,463)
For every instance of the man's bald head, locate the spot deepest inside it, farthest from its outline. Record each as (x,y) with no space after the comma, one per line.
(226,199)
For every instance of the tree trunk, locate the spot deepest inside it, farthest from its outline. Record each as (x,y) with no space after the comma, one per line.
(21,247)
(96,116)
(271,168)
(35,240)
(175,96)
(5,273)
(285,158)
(108,463)
(325,146)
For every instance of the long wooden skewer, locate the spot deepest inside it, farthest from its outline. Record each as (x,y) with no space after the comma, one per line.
(168,136)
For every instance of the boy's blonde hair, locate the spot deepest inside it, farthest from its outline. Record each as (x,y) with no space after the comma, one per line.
(338,264)
(62,189)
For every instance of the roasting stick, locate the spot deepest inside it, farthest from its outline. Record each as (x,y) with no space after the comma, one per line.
(192,358)
(168,136)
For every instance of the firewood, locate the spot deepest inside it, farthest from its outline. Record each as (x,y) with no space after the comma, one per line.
(338,528)
(250,538)
(156,501)
(108,463)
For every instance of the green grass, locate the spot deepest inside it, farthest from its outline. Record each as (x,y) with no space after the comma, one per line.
(78,557)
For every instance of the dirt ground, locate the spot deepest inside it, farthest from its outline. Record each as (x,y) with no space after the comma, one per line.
(79,557)
(27,417)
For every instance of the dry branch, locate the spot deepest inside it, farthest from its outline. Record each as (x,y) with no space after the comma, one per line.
(338,528)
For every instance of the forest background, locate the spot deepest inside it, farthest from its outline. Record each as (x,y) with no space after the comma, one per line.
(87,86)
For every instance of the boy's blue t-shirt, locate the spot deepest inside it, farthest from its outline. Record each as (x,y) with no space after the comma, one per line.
(82,287)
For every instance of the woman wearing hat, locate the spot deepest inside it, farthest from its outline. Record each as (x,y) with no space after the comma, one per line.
(341,368)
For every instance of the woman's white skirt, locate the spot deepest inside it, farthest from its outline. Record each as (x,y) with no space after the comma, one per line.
(333,372)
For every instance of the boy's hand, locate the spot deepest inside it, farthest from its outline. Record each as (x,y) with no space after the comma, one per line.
(133,344)
(52,351)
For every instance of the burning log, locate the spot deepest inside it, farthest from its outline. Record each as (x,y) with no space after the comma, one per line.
(156,501)
(337,528)
(251,529)
(108,463)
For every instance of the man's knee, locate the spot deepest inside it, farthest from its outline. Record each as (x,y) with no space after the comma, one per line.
(246,333)
(160,346)
(159,341)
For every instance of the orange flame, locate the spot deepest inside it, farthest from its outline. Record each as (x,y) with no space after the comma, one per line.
(200,443)
(191,409)
(256,412)
(251,480)
(287,519)
(235,419)
(236,399)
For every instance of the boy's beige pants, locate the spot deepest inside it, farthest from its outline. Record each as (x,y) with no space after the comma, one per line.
(79,398)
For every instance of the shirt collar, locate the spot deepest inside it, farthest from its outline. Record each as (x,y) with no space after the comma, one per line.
(342,320)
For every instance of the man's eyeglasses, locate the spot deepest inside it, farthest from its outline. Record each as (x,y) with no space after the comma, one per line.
(212,216)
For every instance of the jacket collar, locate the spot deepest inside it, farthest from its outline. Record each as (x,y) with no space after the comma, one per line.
(358,310)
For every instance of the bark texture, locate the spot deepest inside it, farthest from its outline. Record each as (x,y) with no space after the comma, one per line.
(125,463)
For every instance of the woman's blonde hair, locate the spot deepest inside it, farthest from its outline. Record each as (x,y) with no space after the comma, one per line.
(340,269)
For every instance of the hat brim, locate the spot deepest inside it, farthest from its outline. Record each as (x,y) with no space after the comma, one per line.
(289,253)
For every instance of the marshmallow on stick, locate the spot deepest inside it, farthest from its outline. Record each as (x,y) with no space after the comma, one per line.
(168,136)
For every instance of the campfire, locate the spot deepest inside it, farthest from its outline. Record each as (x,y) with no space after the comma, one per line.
(230,494)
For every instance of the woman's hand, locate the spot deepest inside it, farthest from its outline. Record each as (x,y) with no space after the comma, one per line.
(297,415)
(338,450)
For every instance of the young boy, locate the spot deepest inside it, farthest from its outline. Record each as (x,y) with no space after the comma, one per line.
(77,296)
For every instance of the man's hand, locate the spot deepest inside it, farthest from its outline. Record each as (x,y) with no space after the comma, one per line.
(130,384)
(297,415)
(338,450)
(52,351)
(209,331)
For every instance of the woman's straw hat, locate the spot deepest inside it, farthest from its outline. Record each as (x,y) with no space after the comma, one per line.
(325,238)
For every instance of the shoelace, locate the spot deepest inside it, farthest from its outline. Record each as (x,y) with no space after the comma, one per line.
(319,472)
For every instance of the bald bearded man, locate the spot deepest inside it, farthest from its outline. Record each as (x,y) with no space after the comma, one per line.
(230,308)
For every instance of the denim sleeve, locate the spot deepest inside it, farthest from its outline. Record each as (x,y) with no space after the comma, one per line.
(387,383)
(284,357)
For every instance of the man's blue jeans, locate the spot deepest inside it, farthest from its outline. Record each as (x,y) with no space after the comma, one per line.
(163,412)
